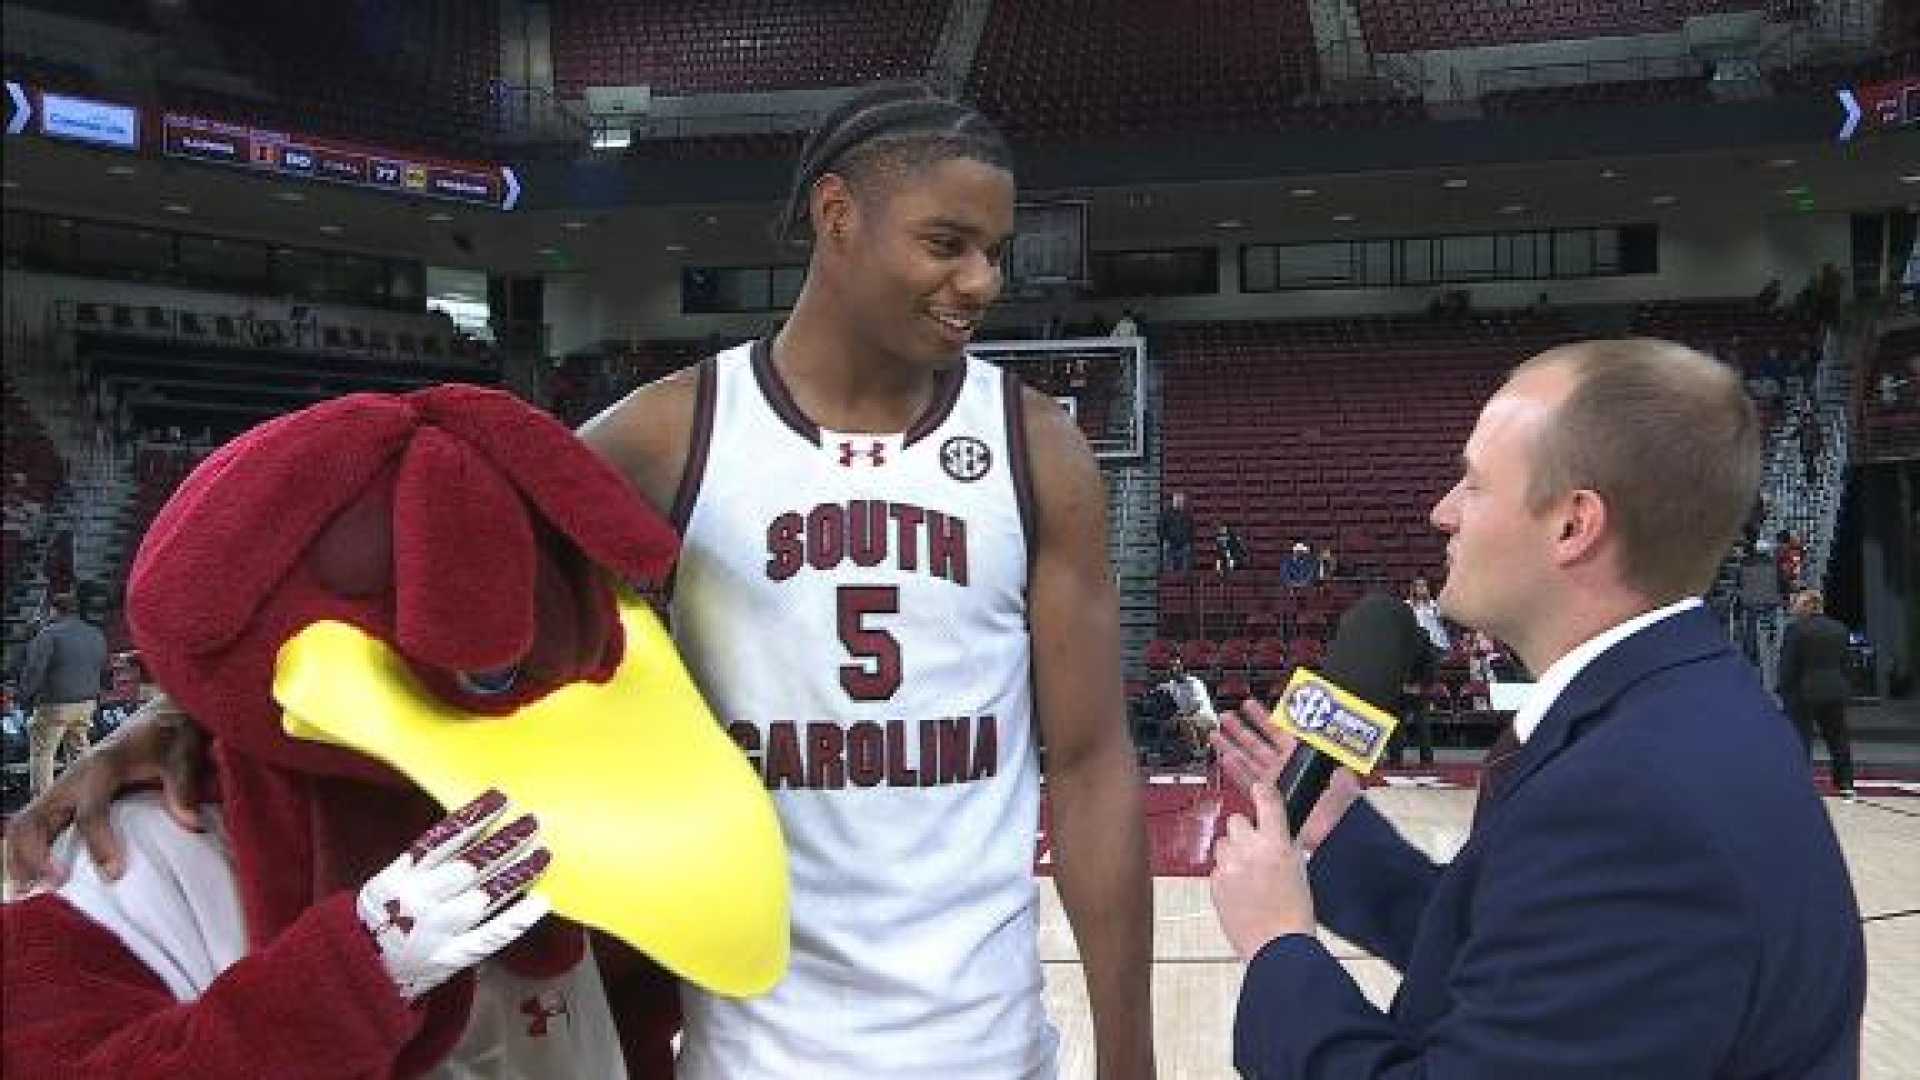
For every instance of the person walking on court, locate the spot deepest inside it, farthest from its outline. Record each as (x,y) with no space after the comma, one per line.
(1649,887)
(1813,681)
(61,677)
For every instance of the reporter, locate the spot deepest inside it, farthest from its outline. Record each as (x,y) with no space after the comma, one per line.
(1649,889)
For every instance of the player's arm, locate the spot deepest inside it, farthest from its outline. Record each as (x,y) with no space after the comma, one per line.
(1093,783)
(646,435)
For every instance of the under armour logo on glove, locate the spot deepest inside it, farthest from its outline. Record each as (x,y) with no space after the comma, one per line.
(456,897)
(397,919)
(539,1011)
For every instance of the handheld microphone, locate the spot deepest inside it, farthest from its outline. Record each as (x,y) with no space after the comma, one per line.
(1346,716)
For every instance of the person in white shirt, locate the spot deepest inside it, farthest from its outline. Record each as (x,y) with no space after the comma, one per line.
(1194,717)
(1426,612)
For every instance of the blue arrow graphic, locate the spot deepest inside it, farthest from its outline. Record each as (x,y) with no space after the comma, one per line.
(22,108)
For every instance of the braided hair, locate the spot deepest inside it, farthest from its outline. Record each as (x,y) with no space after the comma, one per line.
(888,126)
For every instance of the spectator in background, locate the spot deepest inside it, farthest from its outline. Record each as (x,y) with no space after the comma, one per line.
(61,678)
(1329,566)
(1759,597)
(1229,554)
(1790,557)
(1769,295)
(1176,535)
(23,512)
(1813,443)
(1128,326)
(1299,569)
(1482,653)
(1194,717)
(1813,681)
(1426,612)
(1829,292)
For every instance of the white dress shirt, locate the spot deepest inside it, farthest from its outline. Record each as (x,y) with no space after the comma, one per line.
(1561,672)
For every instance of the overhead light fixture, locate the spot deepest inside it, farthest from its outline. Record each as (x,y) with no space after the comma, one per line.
(1664,200)
(1796,190)
(1609,174)
(1911,178)
(1514,208)
(1454,183)
(176,208)
(1782,163)
(290,196)
(1230,223)
(332,230)
(573,226)
(439,217)
(1303,192)
(120,170)
(676,249)
(548,251)
(1344,218)
(711,220)
(9,185)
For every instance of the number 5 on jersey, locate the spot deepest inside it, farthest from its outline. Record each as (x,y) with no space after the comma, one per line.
(877,676)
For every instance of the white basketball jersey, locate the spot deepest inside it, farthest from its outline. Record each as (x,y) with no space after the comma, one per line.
(854,608)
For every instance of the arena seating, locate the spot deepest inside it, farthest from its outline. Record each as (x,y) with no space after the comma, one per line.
(206,373)
(1335,433)
(699,46)
(1080,67)
(583,386)
(28,452)
(324,75)
(1408,25)
(1734,330)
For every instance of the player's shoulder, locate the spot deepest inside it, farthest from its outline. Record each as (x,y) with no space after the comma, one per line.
(646,434)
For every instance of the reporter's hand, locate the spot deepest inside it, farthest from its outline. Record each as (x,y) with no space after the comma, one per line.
(157,743)
(1259,880)
(1252,754)
(452,899)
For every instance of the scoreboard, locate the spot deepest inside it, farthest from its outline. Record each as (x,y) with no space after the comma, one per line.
(1881,106)
(69,117)
(296,156)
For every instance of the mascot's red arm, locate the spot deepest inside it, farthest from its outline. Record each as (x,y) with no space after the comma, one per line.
(78,1004)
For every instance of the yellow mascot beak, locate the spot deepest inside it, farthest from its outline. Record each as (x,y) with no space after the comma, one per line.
(661,833)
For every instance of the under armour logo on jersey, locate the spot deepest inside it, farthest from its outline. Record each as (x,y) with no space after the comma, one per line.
(965,458)
(542,1008)
(875,453)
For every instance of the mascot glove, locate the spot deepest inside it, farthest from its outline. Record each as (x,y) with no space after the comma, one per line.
(454,899)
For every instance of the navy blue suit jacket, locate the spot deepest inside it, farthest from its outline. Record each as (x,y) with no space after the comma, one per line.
(1654,891)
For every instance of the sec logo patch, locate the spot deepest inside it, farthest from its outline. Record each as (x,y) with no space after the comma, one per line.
(965,458)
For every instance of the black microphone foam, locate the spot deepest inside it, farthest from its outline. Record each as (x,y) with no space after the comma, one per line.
(1375,648)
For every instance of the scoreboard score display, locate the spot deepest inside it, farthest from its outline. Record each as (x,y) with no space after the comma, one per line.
(283,154)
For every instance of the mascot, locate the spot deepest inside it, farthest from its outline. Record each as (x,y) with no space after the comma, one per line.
(383,609)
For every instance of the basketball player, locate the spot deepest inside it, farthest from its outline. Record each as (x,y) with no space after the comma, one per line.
(893,587)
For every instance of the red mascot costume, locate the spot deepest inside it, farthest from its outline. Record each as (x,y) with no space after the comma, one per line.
(331,921)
